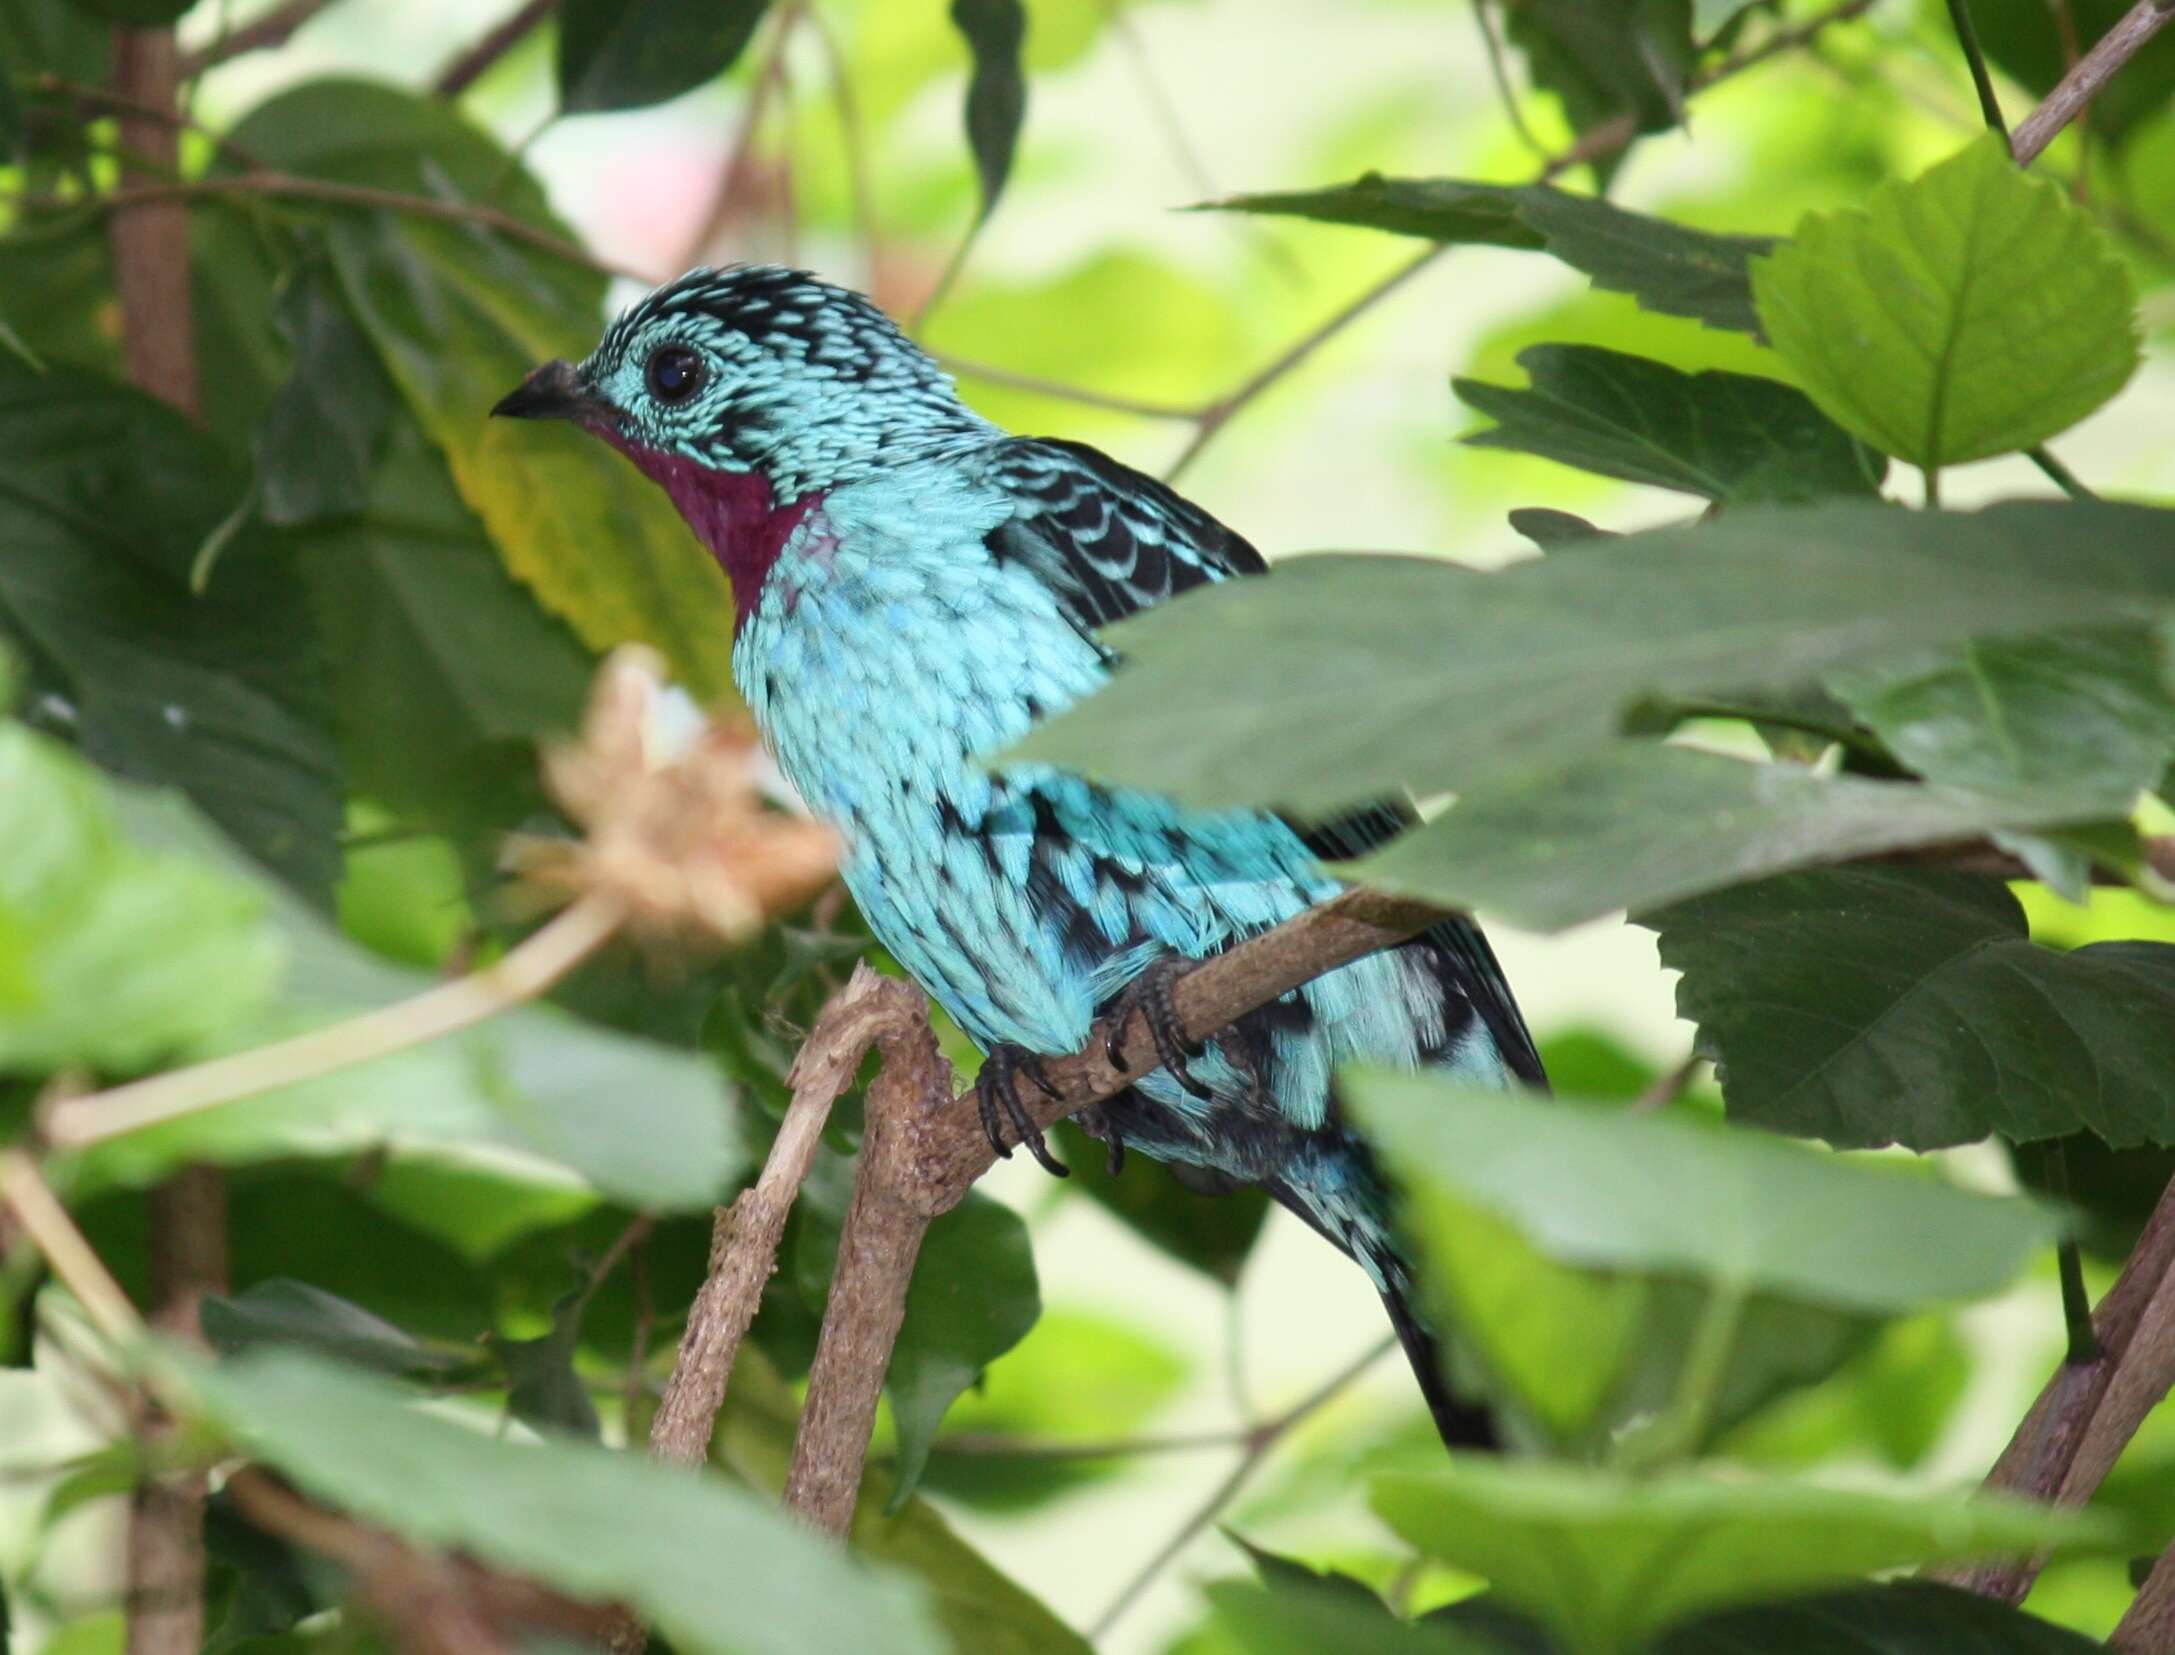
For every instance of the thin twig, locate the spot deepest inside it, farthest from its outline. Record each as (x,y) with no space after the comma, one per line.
(286,186)
(474,63)
(1499,72)
(73,1259)
(2093,71)
(1217,414)
(1668,1087)
(1081,394)
(852,135)
(2059,474)
(527,971)
(1258,1444)
(275,28)
(1982,78)
(1783,40)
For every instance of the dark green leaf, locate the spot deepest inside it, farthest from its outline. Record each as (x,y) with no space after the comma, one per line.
(720,1571)
(1627,60)
(106,497)
(614,54)
(141,13)
(973,1298)
(1886,1005)
(1904,1617)
(543,1390)
(112,960)
(1729,1206)
(427,631)
(1972,311)
(995,30)
(1725,437)
(2088,714)
(1213,1232)
(317,440)
(1638,824)
(1549,529)
(1665,267)
(49,37)
(1344,678)
(457,316)
(295,1314)
(1610,1560)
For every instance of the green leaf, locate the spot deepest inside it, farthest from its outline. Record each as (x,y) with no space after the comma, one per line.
(284,1312)
(543,1390)
(995,32)
(457,317)
(2089,714)
(1550,529)
(1723,436)
(1340,679)
(1730,1206)
(1665,267)
(1638,824)
(141,13)
(1973,311)
(427,631)
(1888,1005)
(526,1082)
(1214,1233)
(106,496)
(616,55)
(111,959)
(1297,1619)
(973,1298)
(1608,1561)
(716,1568)
(1900,1617)
(1630,60)
(316,442)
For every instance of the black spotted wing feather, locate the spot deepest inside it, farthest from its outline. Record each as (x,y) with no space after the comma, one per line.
(1110,541)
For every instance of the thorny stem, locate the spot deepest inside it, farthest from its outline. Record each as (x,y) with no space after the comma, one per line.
(528,970)
(1259,1441)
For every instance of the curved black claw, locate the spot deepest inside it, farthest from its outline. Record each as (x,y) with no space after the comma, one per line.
(997,1089)
(1153,994)
(1095,1121)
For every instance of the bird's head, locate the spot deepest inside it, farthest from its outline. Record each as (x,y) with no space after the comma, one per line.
(748,394)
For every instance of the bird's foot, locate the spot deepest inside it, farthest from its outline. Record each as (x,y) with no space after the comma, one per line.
(1154,995)
(1095,1120)
(997,1093)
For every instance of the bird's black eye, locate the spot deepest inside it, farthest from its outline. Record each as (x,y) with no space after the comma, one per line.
(674,373)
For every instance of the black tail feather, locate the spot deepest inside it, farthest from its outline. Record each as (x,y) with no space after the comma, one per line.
(1464,1425)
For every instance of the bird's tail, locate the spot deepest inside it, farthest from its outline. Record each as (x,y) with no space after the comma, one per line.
(1462,1424)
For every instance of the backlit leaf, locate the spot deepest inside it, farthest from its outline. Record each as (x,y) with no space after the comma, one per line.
(995,31)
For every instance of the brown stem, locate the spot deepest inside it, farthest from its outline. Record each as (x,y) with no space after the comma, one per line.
(433,1604)
(188,1218)
(2088,1411)
(2094,70)
(2149,1626)
(471,65)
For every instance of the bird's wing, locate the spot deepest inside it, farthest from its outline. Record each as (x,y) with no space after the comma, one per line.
(1111,541)
(1106,539)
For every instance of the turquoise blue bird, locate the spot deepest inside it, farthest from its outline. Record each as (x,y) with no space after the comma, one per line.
(914,588)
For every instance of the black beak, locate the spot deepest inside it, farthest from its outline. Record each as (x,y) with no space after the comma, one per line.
(555,391)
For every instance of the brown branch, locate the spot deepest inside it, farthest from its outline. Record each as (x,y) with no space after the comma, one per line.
(2088,1411)
(433,1604)
(187,1213)
(2093,71)
(275,28)
(2148,1628)
(472,64)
